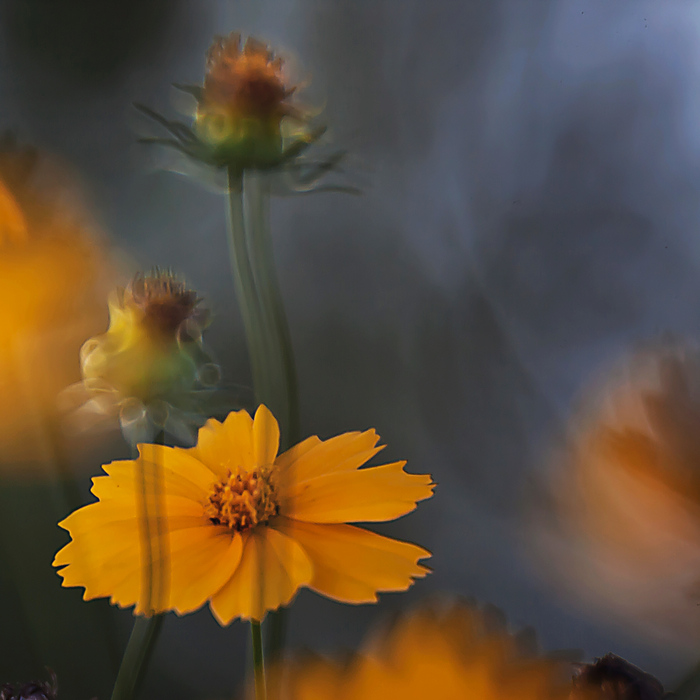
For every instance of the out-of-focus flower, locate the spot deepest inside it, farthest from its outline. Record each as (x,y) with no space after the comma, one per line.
(623,530)
(150,367)
(243,103)
(247,528)
(245,118)
(53,274)
(450,653)
(613,678)
(38,690)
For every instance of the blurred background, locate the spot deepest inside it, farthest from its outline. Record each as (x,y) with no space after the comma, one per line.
(531,192)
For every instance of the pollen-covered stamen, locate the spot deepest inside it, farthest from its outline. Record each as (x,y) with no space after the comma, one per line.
(166,301)
(243,499)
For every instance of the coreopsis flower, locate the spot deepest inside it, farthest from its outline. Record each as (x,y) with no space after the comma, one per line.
(246,527)
(150,367)
(53,272)
(623,530)
(450,653)
(245,117)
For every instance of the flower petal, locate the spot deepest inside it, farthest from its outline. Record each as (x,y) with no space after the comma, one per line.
(227,445)
(106,557)
(272,569)
(266,437)
(168,470)
(201,561)
(360,495)
(351,564)
(341,453)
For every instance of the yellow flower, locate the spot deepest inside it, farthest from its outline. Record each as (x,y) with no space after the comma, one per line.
(246,527)
(452,653)
(150,362)
(53,275)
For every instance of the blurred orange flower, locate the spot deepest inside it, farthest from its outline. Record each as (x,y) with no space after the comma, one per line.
(624,532)
(450,653)
(53,279)
(244,101)
(245,528)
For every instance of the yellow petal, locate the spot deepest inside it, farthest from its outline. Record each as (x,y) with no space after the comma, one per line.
(105,557)
(341,453)
(266,437)
(272,569)
(201,561)
(364,495)
(166,470)
(227,445)
(191,557)
(351,564)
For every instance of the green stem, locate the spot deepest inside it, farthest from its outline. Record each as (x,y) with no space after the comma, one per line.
(258,660)
(281,362)
(137,656)
(154,550)
(244,283)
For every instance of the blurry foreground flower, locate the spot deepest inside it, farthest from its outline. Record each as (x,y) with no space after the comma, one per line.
(624,525)
(448,653)
(53,275)
(149,368)
(247,528)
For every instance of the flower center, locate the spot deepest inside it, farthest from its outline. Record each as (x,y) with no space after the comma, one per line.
(243,499)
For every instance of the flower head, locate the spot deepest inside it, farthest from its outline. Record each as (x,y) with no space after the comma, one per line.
(245,118)
(243,102)
(623,531)
(53,272)
(150,362)
(246,527)
(451,653)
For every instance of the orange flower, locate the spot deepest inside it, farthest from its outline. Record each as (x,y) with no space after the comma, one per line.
(624,532)
(244,527)
(243,102)
(53,277)
(451,653)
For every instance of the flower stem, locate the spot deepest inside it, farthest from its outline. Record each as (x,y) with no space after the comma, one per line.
(154,549)
(281,356)
(244,283)
(258,660)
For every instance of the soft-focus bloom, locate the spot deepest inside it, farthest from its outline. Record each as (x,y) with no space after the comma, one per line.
(149,368)
(448,653)
(613,678)
(245,117)
(243,103)
(623,530)
(53,275)
(246,527)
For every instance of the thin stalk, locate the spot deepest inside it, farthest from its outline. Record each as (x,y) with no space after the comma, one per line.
(154,551)
(258,660)
(281,362)
(244,283)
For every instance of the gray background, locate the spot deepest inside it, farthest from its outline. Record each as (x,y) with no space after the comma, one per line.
(531,193)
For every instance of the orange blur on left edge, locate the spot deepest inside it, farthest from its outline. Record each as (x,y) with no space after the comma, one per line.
(54,275)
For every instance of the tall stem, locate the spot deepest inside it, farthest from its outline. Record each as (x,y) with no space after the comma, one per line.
(154,551)
(258,660)
(281,355)
(244,283)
